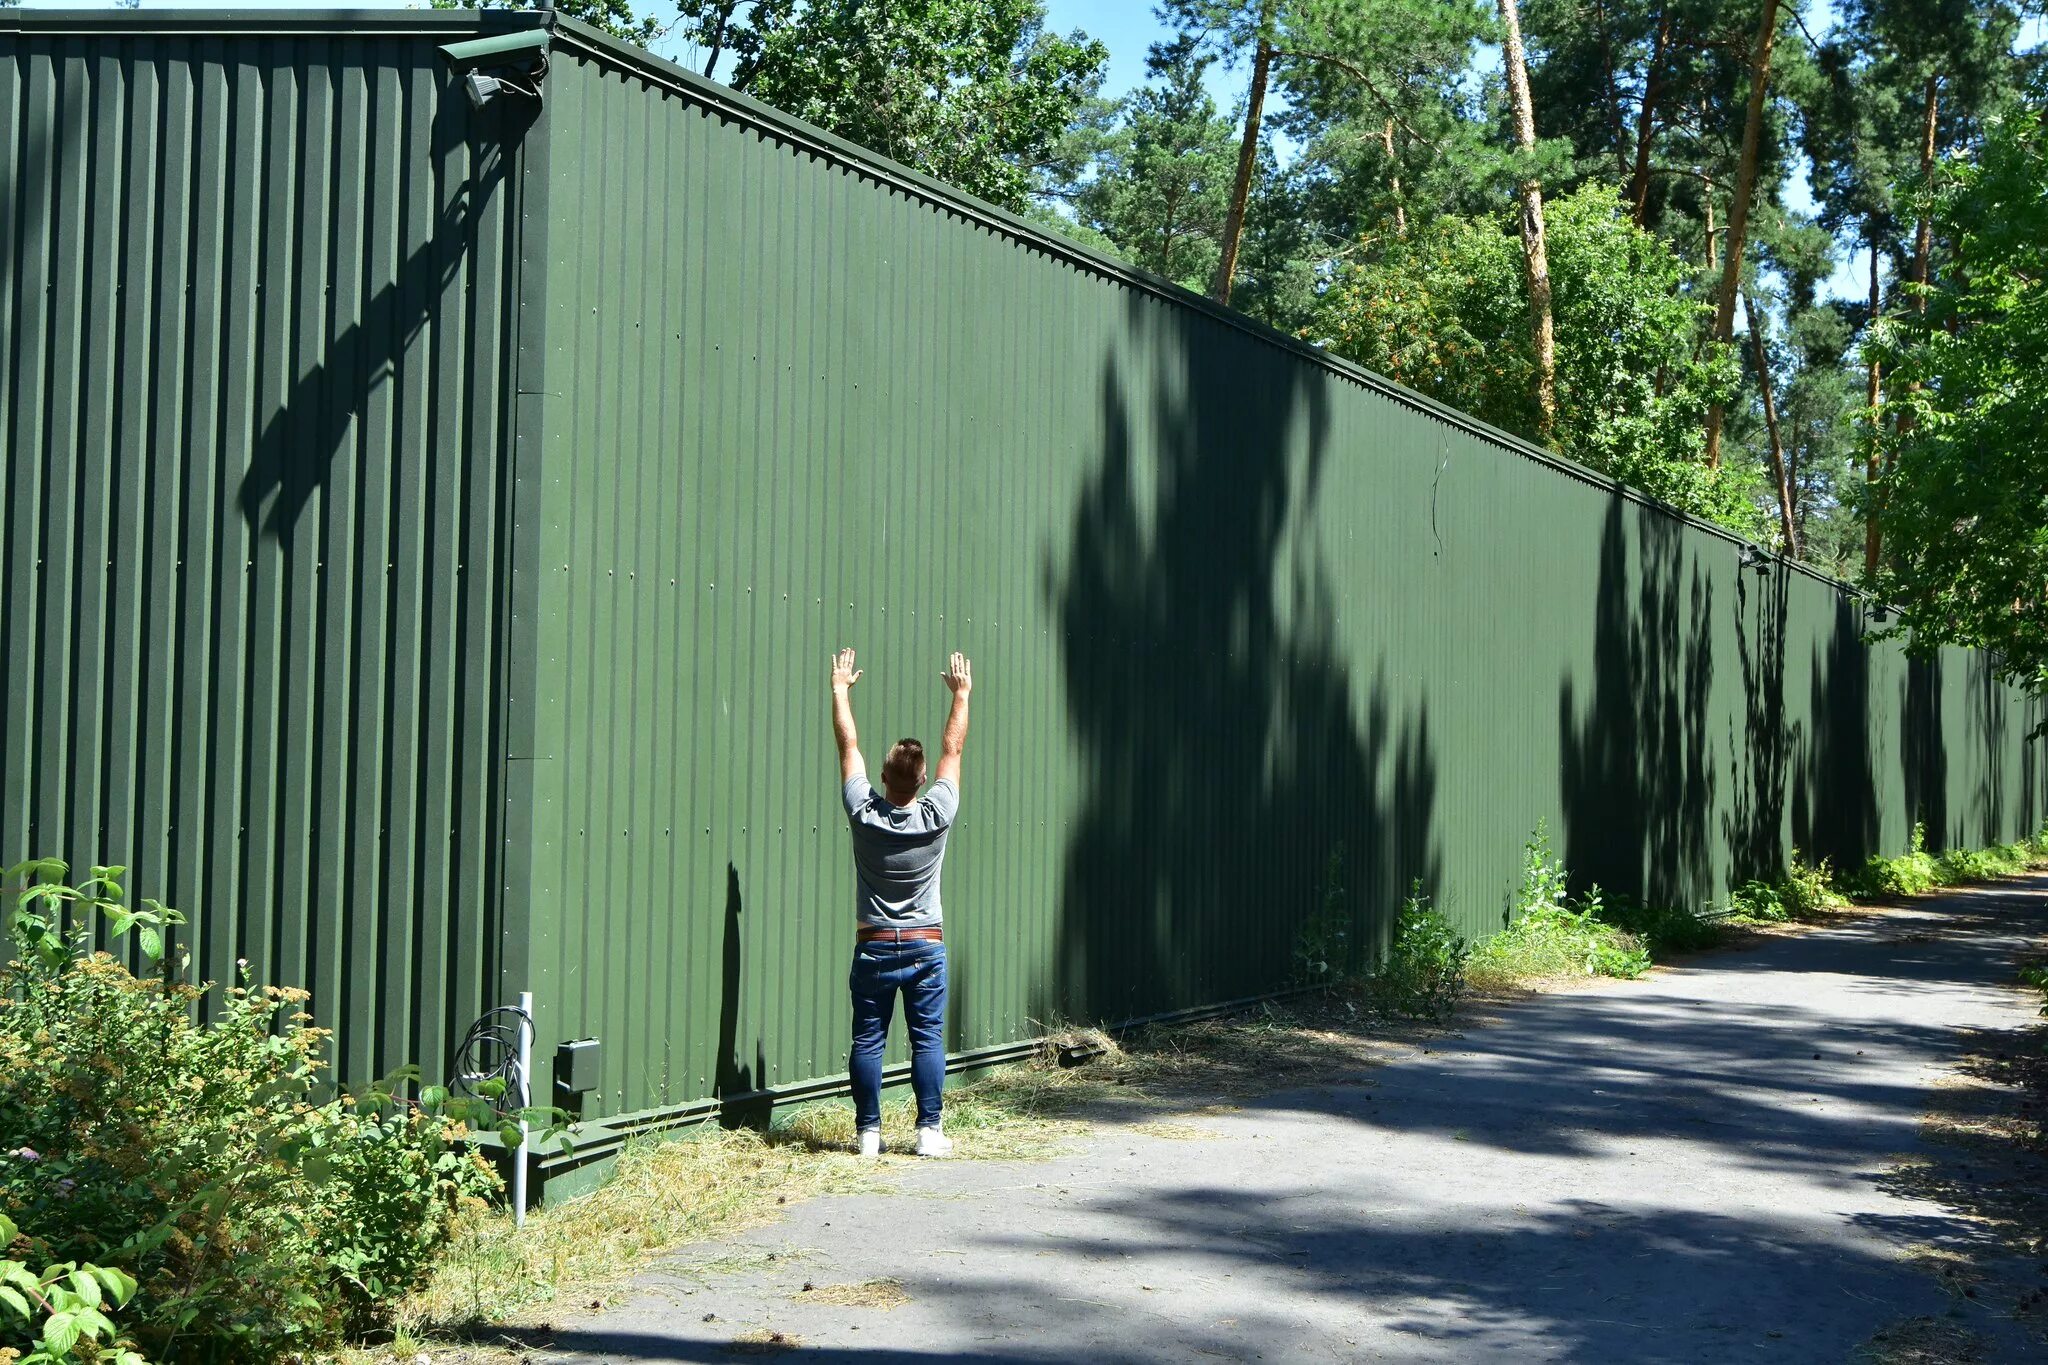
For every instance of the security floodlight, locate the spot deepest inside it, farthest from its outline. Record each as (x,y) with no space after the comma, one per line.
(1753,558)
(481,89)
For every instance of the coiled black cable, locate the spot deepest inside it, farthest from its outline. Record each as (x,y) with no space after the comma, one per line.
(488,1052)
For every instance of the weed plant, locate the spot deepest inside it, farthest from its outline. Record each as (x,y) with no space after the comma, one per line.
(1423,973)
(1548,936)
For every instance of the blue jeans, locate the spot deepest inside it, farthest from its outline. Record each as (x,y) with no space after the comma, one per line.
(880,970)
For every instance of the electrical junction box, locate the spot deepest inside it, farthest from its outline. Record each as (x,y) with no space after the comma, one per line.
(579,1066)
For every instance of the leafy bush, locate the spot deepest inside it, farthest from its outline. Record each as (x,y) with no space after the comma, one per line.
(1810,890)
(1423,973)
(1909,874)
(1803,892)
(1548,936)
(1661,929)
(257,1222)
(1961,865)
(1759,902)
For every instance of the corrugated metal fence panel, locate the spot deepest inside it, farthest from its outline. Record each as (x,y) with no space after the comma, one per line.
(1231,611)
(254,347)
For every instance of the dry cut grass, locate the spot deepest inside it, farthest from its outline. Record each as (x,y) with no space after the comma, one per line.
(711,1183)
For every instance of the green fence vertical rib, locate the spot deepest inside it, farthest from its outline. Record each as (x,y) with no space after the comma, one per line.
(254,389)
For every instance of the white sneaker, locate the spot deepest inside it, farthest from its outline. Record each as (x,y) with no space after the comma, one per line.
(932,1142)
(870,1142)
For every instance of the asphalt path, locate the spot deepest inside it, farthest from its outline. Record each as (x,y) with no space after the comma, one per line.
(1685,1168)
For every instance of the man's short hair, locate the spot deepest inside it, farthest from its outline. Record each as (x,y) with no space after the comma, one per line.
(904,767)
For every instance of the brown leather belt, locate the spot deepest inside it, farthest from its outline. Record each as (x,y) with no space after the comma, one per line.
(870,934)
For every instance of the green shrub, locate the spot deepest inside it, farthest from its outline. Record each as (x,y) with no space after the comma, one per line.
(258,1222)
(1909,874)
(1810,890)
(1423,973)
(1961,865)
(1803,892)
(1549,937)
(1759,902)
(1661,929)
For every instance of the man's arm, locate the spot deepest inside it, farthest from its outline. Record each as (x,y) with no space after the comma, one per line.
(959,676)
(844,676)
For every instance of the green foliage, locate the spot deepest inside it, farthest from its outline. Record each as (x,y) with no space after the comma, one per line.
(972,92)
(63,1308)
(1548,936)
(1909,874)
(1965,504)
(1661,929)
(2035,974)
(1805,891)
(1760,902)
(1159,182)
(1423,973)
(615,17)
(1962,865)
(1323,950)
(1445,310)
(196,1157)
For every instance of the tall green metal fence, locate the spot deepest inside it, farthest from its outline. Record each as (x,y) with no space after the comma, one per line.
(255,331)
(582,433)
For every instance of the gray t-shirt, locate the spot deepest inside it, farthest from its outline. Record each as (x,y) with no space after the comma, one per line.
(897,851)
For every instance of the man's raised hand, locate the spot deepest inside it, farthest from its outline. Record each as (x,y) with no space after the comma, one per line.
(844,674)
(959,675)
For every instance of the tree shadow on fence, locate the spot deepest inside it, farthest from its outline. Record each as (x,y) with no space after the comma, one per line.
(1755,829)
(1835,814)
(293,456)
(1638,788)
(1213,689)
(1923,752)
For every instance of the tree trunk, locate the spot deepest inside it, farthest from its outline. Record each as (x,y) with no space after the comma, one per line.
(1707,209)
(1738,211)
(1535,250)
(1872,536)
(1923,233)
(1763,381)
(1646,122)
(1247,162)
(1400,210)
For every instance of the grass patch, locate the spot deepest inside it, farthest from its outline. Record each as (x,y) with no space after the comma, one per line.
(763,1342)
(882,1294)
(1175,1132)
(1922,1341)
